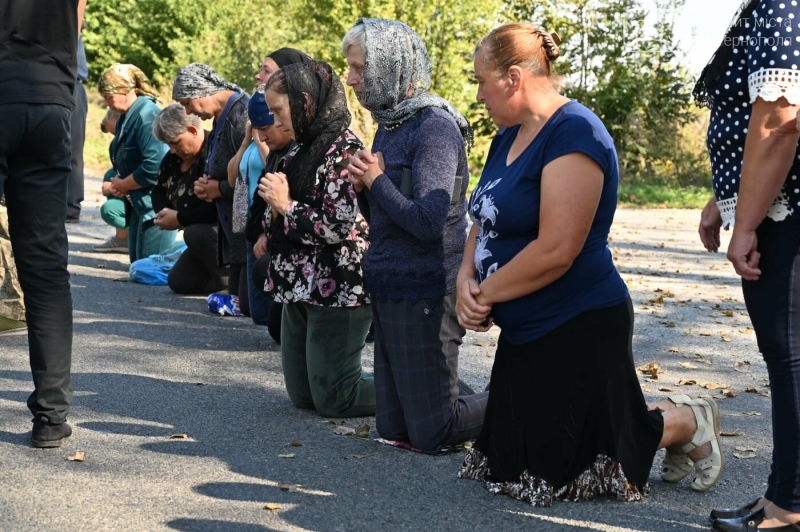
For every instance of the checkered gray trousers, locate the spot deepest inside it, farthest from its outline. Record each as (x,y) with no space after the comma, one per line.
(416,370)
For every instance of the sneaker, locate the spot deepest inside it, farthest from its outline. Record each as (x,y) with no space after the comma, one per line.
(112,245)
(10,327)
(48,435)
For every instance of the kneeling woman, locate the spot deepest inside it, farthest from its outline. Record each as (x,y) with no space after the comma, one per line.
(317,246)
(136,155)
(566,418)
(176,204)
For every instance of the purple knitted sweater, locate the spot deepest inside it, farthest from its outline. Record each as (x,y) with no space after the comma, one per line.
(417,240)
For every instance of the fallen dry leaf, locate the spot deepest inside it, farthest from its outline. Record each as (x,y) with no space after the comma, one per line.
(693,356)
(715,386)
(765,394)
(341,430)
(731,434)
(725,338)
(746,449)
(290,455)
(295,444)
(728,313)
(180,436)
(674,350)
(751,390)
(291,488)
(657,301)
(665,389)
(334,421)
(687,365)
(483,344)
(651,369)
(729,393)
(671,324)
(272,506)
(687,382)
(744,456)
(362,431)
(79,456)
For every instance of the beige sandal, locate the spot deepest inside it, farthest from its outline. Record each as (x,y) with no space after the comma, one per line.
(677,467)
(710,468)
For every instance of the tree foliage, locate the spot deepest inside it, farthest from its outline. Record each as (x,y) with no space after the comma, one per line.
(629,74)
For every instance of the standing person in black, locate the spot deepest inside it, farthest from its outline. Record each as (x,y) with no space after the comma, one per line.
(37,83)
(78,134)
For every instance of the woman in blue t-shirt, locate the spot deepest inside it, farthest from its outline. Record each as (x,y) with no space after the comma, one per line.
(565,401)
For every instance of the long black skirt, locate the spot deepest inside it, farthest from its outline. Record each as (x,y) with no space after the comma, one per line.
(566,417)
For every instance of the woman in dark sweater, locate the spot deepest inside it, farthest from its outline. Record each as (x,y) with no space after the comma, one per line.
(176,204)
(412,192)
(205,93)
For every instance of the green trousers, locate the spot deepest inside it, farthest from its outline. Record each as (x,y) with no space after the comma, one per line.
(321,354)
(145,239)
(113,213)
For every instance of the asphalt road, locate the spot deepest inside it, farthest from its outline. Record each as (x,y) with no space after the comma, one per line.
(149,364)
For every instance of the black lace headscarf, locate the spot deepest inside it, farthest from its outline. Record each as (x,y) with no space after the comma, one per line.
(319,114)
(722,57)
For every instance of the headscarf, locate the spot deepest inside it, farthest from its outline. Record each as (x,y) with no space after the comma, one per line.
(198,80)
(396,61)
(122,79)
(316,133)
(289,56)
(719,61)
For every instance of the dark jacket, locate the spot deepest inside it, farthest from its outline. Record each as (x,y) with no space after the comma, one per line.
(135,150)
(175,189)
(230,134)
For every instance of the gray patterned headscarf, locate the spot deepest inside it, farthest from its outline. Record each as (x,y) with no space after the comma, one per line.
(396,61)
(198,80)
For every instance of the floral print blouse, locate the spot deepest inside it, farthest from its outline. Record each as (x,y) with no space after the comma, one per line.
(324,264)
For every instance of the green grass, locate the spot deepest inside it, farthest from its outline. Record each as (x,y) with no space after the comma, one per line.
(644,196)
(95,150)
(663,196)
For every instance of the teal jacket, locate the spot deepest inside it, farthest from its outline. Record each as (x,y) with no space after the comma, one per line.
(136,151)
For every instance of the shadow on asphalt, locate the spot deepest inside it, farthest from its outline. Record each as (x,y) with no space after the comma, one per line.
(345,483)
(194,525)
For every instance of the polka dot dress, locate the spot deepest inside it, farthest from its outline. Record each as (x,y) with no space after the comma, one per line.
(765,64)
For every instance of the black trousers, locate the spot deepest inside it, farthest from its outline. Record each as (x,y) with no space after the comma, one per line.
(197,271)
(35,155)
(78,132)
(774,306)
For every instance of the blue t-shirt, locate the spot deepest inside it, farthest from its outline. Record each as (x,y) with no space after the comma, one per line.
(250,169)
(506,207)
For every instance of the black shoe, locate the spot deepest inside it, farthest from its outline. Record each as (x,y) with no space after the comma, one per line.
(464,388)
(371,334)
(733,513)
(749,523)
(47,435)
